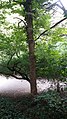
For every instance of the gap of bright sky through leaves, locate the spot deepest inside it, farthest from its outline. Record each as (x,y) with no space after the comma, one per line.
(57,16)
(64,2)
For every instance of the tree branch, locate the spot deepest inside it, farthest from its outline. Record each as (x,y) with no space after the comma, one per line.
(51,5)
(21,20)
(56,4)
(9,62)
(63,8)
(16,71)
(44,32)
(16,76)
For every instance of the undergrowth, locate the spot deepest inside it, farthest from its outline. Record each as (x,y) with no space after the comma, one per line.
(47,105)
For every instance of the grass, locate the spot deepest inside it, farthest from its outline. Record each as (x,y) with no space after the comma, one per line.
(47,105)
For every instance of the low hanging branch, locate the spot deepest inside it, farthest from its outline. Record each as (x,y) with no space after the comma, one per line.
(16,71)
(44,32)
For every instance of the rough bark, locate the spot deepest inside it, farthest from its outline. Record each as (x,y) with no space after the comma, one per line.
(31,45)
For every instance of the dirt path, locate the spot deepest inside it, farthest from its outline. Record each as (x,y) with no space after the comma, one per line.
(16,87)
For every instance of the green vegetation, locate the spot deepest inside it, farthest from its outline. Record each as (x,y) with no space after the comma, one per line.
(48,105)
(34,46)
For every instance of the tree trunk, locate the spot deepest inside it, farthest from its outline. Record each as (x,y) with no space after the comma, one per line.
(31,45)
(58,86)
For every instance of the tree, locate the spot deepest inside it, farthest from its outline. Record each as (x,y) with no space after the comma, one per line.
(30,11)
